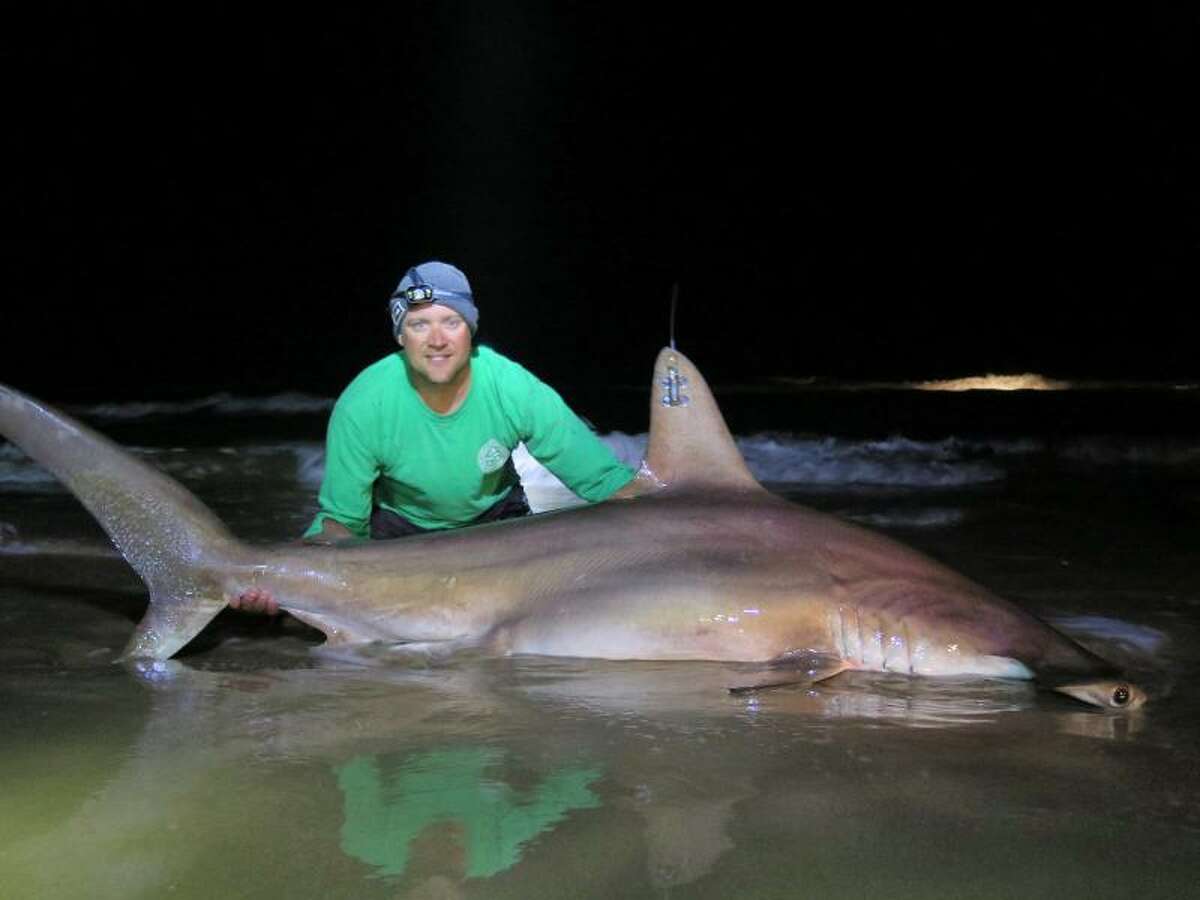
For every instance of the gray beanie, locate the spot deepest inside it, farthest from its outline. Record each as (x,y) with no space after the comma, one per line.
(433,282)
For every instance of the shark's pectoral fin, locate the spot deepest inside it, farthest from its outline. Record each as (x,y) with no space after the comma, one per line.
(365,640)
(795,667)
(338,630)
(170,622)
(410,654)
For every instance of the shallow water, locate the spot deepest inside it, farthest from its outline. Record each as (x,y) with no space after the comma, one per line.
(258,766)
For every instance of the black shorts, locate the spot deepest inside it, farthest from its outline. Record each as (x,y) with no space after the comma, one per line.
(386,524)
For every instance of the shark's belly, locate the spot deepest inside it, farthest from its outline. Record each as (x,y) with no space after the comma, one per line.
(714,626)
(663,622)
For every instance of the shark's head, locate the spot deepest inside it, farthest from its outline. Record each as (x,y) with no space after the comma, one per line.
(1119,696)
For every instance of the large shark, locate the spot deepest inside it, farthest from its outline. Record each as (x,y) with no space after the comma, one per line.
(706,565)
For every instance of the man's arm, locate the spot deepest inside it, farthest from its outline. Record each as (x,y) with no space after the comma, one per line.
(350,472)
(559,440)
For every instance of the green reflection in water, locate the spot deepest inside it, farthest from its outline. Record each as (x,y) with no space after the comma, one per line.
(384,814)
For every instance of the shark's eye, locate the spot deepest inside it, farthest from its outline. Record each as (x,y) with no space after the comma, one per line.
(1120,696)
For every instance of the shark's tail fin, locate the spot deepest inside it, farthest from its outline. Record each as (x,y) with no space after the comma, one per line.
(173,541)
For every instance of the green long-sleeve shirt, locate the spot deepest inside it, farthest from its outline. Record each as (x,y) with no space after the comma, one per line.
(386,447)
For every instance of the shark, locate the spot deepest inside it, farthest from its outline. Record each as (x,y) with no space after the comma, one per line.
(705,564)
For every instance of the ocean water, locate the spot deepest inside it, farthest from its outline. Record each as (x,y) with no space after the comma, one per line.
(256,766)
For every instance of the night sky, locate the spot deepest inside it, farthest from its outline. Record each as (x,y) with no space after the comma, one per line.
(224,201)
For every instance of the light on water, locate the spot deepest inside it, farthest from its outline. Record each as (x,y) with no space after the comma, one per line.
(1025,382)
(255,767)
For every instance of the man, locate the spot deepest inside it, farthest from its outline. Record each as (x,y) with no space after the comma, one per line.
(422,439)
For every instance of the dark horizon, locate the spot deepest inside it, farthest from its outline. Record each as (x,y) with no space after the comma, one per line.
(227,203)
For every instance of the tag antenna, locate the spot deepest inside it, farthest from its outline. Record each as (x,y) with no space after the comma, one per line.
(674,301)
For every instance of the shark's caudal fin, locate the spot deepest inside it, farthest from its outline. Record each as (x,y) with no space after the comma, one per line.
(171,539)
(690,444)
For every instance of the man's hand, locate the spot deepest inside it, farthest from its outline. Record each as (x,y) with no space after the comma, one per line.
(256,600)
(643,482)
(332,532)
(261,600)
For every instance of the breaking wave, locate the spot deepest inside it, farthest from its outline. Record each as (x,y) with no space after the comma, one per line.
(931,517)
(297,462)
(777,459)
(783,460)
(286,404)
(18,473)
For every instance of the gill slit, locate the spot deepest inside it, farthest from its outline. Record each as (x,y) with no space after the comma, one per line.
(862,647)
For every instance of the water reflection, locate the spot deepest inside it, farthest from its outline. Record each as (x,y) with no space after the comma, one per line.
(697,692)
(389,803)
(254,764)
(688,823)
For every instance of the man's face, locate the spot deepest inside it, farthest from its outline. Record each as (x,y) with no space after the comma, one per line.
(436,341)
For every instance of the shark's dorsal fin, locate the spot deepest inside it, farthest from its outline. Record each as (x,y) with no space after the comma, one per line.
(690,443)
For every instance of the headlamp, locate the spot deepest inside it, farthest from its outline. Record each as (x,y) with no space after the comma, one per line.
(403,299)
(418,293)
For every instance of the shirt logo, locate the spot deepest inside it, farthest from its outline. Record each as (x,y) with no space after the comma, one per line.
(492,456)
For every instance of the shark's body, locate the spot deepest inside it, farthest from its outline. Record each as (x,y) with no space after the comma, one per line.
(709,566)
